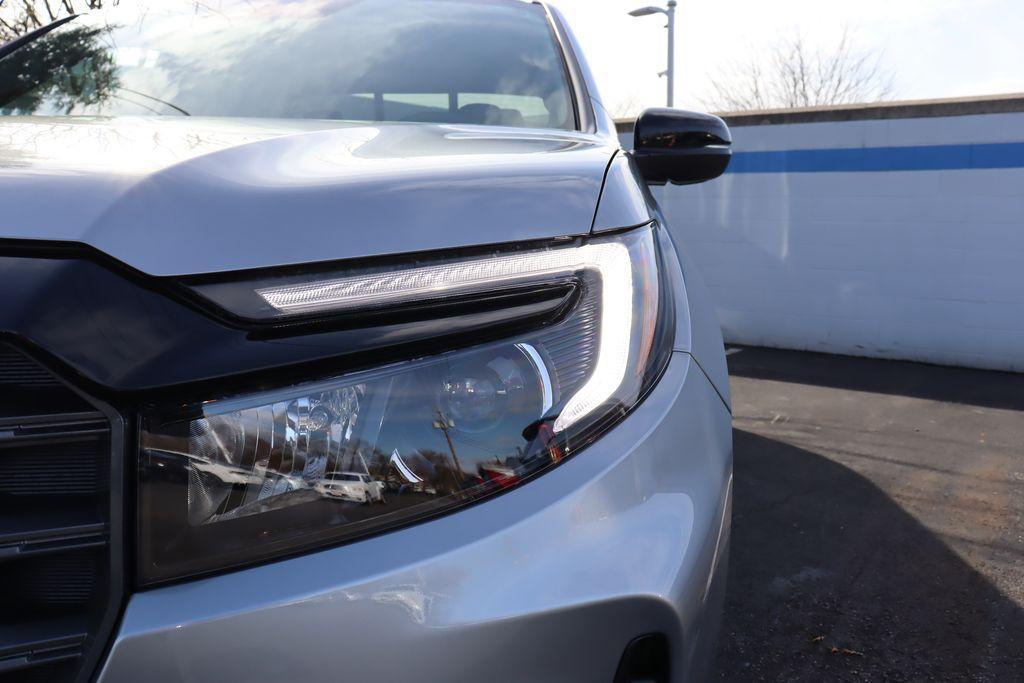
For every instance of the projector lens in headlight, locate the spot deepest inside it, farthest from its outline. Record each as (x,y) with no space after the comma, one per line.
(240,479)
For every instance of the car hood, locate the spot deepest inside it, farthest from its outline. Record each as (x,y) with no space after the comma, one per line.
(191,195)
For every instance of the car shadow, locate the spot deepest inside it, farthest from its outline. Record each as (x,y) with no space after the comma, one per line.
(983,388)
(830,579)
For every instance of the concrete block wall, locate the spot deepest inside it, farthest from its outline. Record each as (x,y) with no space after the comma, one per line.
(888,236)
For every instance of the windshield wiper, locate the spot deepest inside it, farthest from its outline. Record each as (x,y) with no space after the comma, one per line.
(32,36)
(155,99)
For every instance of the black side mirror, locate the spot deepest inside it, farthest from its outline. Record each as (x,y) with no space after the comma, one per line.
(680,147)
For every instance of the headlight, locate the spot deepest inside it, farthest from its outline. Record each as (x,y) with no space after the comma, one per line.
(247,478)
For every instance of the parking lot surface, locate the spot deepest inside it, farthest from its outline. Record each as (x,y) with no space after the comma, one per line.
(878,529)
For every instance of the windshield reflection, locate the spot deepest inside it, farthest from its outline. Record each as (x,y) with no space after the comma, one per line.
(438,61)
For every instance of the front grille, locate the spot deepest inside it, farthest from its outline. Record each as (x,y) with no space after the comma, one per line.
(58,571)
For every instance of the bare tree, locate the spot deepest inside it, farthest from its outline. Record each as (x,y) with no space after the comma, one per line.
(18,17)
(794,74)
(64,69)
(628,107)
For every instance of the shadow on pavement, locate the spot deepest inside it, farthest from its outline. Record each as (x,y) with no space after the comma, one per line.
(830,579)
(987,388)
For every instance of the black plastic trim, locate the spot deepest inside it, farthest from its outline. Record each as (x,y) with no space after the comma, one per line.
(117,530)
(646,659)
(181,289)
(92,644)
(16,546)
(39,648)
(137,335)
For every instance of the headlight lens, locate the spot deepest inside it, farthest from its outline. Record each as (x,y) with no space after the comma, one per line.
(241,479)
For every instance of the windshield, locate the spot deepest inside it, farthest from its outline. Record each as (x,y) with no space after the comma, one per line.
(445,61)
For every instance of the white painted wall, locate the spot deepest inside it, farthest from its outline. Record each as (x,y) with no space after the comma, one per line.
(918,265)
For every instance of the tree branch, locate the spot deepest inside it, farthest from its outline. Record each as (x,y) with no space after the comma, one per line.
(800,76)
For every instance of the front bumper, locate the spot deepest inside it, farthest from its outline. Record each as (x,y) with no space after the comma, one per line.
(548,582)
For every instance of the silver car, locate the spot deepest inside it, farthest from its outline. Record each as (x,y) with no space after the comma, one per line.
(250,246)
(352,486)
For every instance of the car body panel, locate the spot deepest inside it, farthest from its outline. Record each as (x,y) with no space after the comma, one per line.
(623,202)
(187,196)
(583,559)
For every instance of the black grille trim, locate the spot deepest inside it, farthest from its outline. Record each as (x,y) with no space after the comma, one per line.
(61,524)
(38,645)
(15,368)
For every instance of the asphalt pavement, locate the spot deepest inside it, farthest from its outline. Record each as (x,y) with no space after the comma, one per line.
(878,528)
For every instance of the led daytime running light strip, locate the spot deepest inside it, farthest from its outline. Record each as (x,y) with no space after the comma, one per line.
(610,260)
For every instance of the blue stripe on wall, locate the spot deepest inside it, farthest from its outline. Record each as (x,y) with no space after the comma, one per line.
(874,159)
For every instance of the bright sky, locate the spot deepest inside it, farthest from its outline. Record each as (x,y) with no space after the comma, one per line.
(934,48)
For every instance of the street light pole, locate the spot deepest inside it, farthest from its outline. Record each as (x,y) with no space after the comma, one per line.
(444,424)
(670,72)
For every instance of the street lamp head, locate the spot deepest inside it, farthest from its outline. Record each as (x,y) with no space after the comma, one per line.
(644,11)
